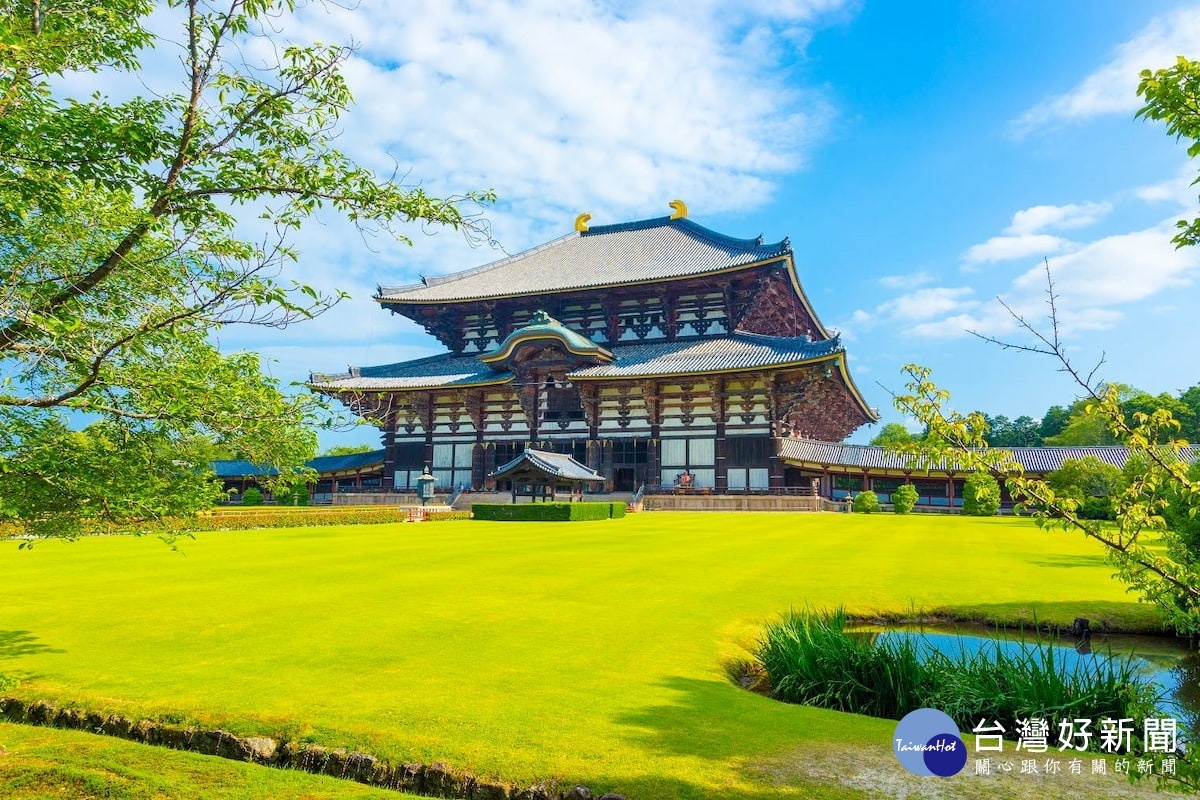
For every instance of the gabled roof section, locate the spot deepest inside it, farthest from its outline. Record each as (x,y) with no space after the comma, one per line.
(605,255)
(545,327)
(730,353)
(556,467)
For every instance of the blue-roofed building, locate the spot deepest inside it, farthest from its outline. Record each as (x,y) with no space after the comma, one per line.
(645,350)
(350,473)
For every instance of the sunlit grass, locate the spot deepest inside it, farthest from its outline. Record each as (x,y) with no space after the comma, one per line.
(590,652)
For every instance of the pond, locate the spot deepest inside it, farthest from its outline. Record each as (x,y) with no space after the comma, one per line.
(1163,662)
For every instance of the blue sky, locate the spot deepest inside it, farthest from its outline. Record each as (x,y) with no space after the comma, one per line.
(923,157)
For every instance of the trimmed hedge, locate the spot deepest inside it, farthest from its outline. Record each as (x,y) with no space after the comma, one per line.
(547,512)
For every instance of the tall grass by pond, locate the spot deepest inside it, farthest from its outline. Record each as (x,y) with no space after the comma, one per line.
(810,658)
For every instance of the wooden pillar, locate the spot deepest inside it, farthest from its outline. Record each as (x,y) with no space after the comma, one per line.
(388,481)
(720,449)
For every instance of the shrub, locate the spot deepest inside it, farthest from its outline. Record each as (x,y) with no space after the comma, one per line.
(981,495)
(904,498)
(547,512)
(1092,483)
(252,497)
(866,503)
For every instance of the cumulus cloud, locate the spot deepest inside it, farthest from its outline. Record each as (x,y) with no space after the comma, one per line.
(1037,219)
(570,106)
(1091,283)
(1118,269)
(1112,88)
(1026,236)
(1179,190)
(907,281)
(1008,248)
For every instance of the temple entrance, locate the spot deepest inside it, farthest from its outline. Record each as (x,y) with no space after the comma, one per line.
(624,479)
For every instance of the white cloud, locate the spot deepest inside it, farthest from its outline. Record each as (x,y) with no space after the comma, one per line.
(1091,284)
(574,106)
(1008,248)
(1112,88)
(1118,269)
(909,281)
(926,303)
(1179,190)
(1037,219)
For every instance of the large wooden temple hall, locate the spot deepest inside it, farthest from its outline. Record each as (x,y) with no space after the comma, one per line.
(654,352)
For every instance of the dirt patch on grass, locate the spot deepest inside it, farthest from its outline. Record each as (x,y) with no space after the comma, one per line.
(876,772)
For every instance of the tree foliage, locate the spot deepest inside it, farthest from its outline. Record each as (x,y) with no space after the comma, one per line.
(892,434)
(1092,483)
(123,246)
(981,495)
(1171,97)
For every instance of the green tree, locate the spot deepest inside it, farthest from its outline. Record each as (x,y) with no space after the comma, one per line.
(1020,432)
(1191,398)
(1171,96)
(1092,483)
(891,435)
(123,246)
(981,495)
(1053,421)
(904,499)
(348,449)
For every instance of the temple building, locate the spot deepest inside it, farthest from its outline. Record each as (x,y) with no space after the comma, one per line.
(653,352)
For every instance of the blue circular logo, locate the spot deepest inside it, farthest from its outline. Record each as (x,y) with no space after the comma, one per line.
(926,742)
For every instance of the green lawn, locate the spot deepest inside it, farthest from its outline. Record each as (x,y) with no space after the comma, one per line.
(40,763)
(589,652)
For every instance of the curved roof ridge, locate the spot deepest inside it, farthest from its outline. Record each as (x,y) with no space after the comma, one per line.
(694,228)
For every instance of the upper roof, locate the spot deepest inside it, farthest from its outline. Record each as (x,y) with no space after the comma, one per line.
(728,353)
(557,466)
(605,255)
(1031,459)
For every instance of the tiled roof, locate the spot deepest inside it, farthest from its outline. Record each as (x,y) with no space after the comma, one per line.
(446,369)
(372,458)
(1032,459)
(605,255)
(240,468)
(681,357)
(557,465)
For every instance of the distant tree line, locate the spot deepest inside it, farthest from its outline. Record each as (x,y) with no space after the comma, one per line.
(1071,425)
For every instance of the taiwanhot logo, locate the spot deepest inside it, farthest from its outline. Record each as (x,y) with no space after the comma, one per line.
(926,742)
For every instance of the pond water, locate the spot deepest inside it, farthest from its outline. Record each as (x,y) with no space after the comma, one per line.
(1163,662)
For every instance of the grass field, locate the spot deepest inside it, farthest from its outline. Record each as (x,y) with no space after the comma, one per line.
(589,652)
